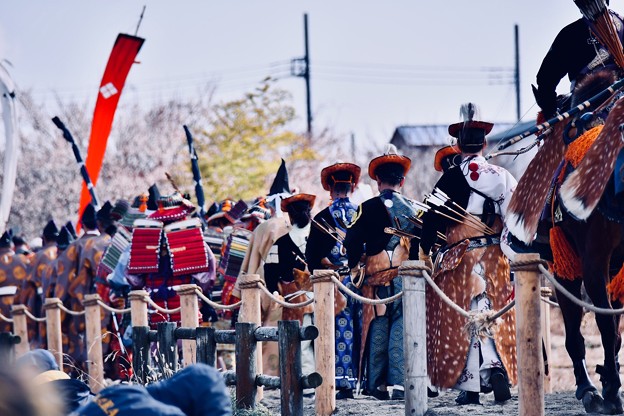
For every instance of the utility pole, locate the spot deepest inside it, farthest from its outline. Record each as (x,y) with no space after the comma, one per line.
(517,71)
(300,67)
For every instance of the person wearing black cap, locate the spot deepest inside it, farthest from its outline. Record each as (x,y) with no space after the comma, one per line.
(78,280)
(39,369)
(325,250)
(104,221)
(13,274)
(72,231)
(384,253)
(482,192)
(21,248)
(288,254)
(32,292)
(261,241)
(62,262)
(196,390)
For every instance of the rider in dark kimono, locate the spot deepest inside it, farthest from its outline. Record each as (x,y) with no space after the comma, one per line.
(325,250)
(382,346)
(575,52)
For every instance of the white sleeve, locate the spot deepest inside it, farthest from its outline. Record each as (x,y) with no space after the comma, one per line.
(510,187)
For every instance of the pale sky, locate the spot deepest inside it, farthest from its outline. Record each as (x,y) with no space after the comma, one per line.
(374,64)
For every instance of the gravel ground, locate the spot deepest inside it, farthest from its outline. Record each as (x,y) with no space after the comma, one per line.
(559,403)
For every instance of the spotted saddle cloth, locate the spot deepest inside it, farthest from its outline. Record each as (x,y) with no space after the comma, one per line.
(611,204)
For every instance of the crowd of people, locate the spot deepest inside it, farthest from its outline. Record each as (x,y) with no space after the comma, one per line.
(159,242)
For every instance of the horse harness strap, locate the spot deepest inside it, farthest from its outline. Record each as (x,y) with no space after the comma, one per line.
(475,242)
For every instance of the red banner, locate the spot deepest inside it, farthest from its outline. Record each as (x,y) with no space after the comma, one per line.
(119,63)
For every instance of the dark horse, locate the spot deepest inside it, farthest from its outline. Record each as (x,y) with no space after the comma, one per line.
(596,239)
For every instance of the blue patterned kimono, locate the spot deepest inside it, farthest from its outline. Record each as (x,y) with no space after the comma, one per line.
(348,322)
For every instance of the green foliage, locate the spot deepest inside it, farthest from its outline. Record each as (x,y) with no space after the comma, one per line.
(240,151)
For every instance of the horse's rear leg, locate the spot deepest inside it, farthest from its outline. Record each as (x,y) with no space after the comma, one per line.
(595,284)
(575,345)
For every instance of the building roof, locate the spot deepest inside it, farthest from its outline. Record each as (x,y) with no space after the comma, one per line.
(427,135)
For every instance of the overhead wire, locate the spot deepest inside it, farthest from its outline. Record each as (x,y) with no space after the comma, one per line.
(241,78)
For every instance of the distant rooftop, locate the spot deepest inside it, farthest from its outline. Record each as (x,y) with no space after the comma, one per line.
(437,134)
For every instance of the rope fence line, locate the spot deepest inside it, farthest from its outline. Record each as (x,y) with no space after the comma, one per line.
(550,302)
(579,302)
(5,319)
(33,317)
(361,298)
(280,301)
(503,311)
(216,305)
(471,316)
(69,311)
(160,309)
(111,309)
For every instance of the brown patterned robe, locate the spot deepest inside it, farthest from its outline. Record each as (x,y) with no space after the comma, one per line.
(447,340)
(13,272)
(75,278)
(32,290)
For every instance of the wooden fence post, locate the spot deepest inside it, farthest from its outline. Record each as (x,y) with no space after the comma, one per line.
(246,365)
(291,393)
(529,336)
(53,329)
(138,308)
(206,345)
(167,346)
(414,337)
(250,311)
(20,328)
(141,352)
(545,320)
(325,343)
(93,330)
(189,319)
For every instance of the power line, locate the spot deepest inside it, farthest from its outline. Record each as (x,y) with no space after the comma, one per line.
(404,67)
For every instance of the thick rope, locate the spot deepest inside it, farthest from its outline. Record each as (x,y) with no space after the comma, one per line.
(527,265)
(550,302)
(111,309)
(445,298)
(363,299)
(69,311)
(160,309)
(280,301)
(503,310)
(5,319)
(33,317)
(216,305)
(469,315)
(579,302)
